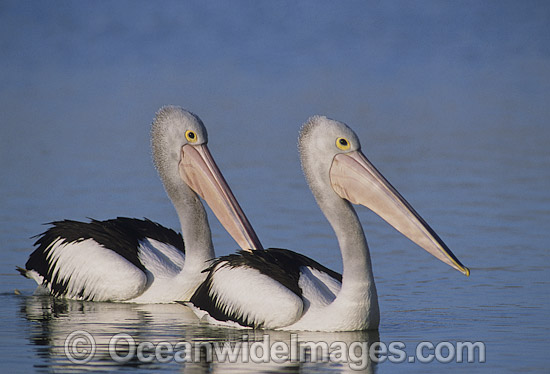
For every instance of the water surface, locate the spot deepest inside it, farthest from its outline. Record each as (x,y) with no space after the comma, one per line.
(450,101)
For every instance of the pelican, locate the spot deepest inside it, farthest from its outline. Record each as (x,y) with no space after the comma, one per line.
(281,289)
(140,261)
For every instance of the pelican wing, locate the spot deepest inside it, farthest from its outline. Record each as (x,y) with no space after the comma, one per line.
(261,289)
(99,260)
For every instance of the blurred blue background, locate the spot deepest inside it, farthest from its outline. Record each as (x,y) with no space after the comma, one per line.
(449,98)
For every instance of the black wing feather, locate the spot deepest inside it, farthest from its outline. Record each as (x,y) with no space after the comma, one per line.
(282,265)
(121,235)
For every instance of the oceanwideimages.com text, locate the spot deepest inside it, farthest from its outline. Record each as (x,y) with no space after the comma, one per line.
(80,348)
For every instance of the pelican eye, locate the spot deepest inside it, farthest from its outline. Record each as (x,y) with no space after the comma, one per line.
(190,136)
(343,144)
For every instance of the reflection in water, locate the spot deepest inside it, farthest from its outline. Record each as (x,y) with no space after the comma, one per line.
(178,340)
(57,318)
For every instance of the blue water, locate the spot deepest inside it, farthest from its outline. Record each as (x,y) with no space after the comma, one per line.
(450,100)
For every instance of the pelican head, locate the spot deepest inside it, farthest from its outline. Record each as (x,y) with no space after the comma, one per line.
(187,169)
(336,169)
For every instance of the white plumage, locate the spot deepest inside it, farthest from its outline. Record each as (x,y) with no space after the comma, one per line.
(281,289)
(127,259)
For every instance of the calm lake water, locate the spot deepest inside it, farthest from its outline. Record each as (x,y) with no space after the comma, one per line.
(450,100)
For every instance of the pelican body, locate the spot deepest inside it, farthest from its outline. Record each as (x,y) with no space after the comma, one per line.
(281,289)
(135,260)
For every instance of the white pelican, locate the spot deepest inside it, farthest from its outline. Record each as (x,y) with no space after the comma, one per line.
(281,289)
(134,260)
